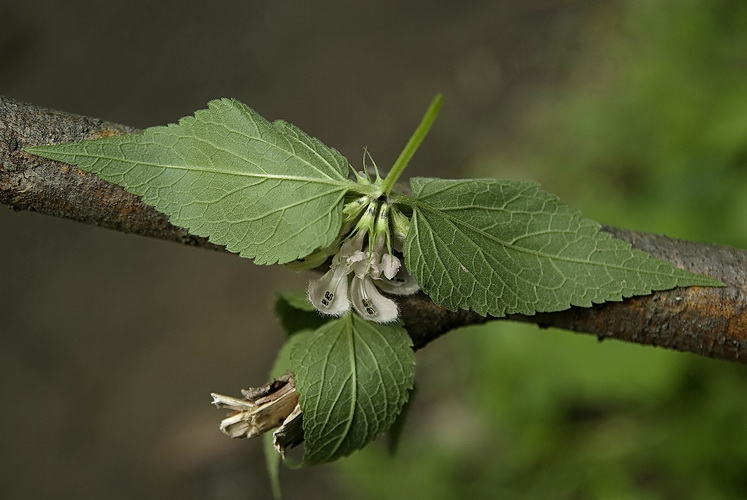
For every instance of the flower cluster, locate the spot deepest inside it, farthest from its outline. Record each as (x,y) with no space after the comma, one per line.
(365,264)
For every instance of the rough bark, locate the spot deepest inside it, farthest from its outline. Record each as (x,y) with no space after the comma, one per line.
(32,183)
(706,321)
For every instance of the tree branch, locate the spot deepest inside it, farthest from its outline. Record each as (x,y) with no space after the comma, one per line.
(706,321)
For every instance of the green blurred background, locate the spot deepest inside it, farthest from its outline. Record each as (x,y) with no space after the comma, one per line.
(633,111)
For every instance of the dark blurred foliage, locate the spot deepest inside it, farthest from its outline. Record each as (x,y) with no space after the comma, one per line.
(635,112)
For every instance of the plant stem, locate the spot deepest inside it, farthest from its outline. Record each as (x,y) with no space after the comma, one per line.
(412,145)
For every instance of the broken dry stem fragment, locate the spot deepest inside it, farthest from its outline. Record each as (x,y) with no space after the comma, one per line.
(262,408)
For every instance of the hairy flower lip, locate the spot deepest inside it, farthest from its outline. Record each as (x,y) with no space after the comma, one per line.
(390,266)
(369,303)
(401,284)
(329,294)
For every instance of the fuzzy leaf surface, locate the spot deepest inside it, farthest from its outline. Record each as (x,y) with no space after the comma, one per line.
(353,377)
(501,247)
(264,190)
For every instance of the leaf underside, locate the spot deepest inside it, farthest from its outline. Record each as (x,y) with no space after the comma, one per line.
(503,247)
(353,377)
(264,190)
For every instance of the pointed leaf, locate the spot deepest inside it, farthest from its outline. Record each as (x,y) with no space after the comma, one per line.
(265,190)
(353,378)
(501,247)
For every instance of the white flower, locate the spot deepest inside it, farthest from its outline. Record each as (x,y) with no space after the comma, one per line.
(401,284)
(370,304)
(329,294)
(389,265)
(360,269)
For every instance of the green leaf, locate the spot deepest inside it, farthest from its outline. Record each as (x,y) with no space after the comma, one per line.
(265,190)
(296,313)
(272,457)
(297,299)
(394,435)
(353,378)
(502,247)
(272,464)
